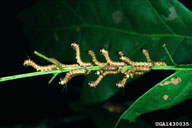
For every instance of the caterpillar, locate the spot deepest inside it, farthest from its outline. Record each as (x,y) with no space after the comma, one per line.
(136,64)
(100,77)
(149,62)
(109,61)
(72,74)
(128,74)
(78,57)
(106,68)
(29,62)
(95,83)
(146,53)
(92,54)
(159,63)
(64,65)
(122,82)
(125,58)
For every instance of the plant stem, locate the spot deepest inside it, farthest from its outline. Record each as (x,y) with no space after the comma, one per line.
(48,59)
(93,68)
(168,53)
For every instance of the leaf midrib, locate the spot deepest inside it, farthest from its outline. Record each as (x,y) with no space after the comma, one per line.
(95,26)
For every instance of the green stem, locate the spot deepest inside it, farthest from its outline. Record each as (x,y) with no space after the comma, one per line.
(170,57)
(93,68)
(48,59)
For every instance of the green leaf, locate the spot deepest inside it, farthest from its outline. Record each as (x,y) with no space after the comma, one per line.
(166,94)
(51,25)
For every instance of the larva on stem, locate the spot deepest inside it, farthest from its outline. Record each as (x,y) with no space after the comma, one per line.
(78,57)
(128,74)
(29,62)
(92,54)
(100,77)
(146,53)
(159,63)
(64,65)
(72,74)
(95,83)
(106,68)
(122,83)
(136,64)
(109,61)
(125,58)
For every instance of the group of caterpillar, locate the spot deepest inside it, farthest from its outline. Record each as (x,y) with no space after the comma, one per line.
(108,67)
(138,68)
(69,75)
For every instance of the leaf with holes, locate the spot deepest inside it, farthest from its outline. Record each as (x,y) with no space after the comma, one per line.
(166,94)
(129,25)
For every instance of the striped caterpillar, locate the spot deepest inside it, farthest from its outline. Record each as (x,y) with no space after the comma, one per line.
(92,54)
(138,68)
(100,77)
(72,74)
(109,61)
(78,57)
(29,62)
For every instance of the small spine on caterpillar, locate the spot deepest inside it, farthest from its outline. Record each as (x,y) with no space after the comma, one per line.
(78,57)
(72,74)
(109,61)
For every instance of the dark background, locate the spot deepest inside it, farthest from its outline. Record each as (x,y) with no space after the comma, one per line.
(31,101)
